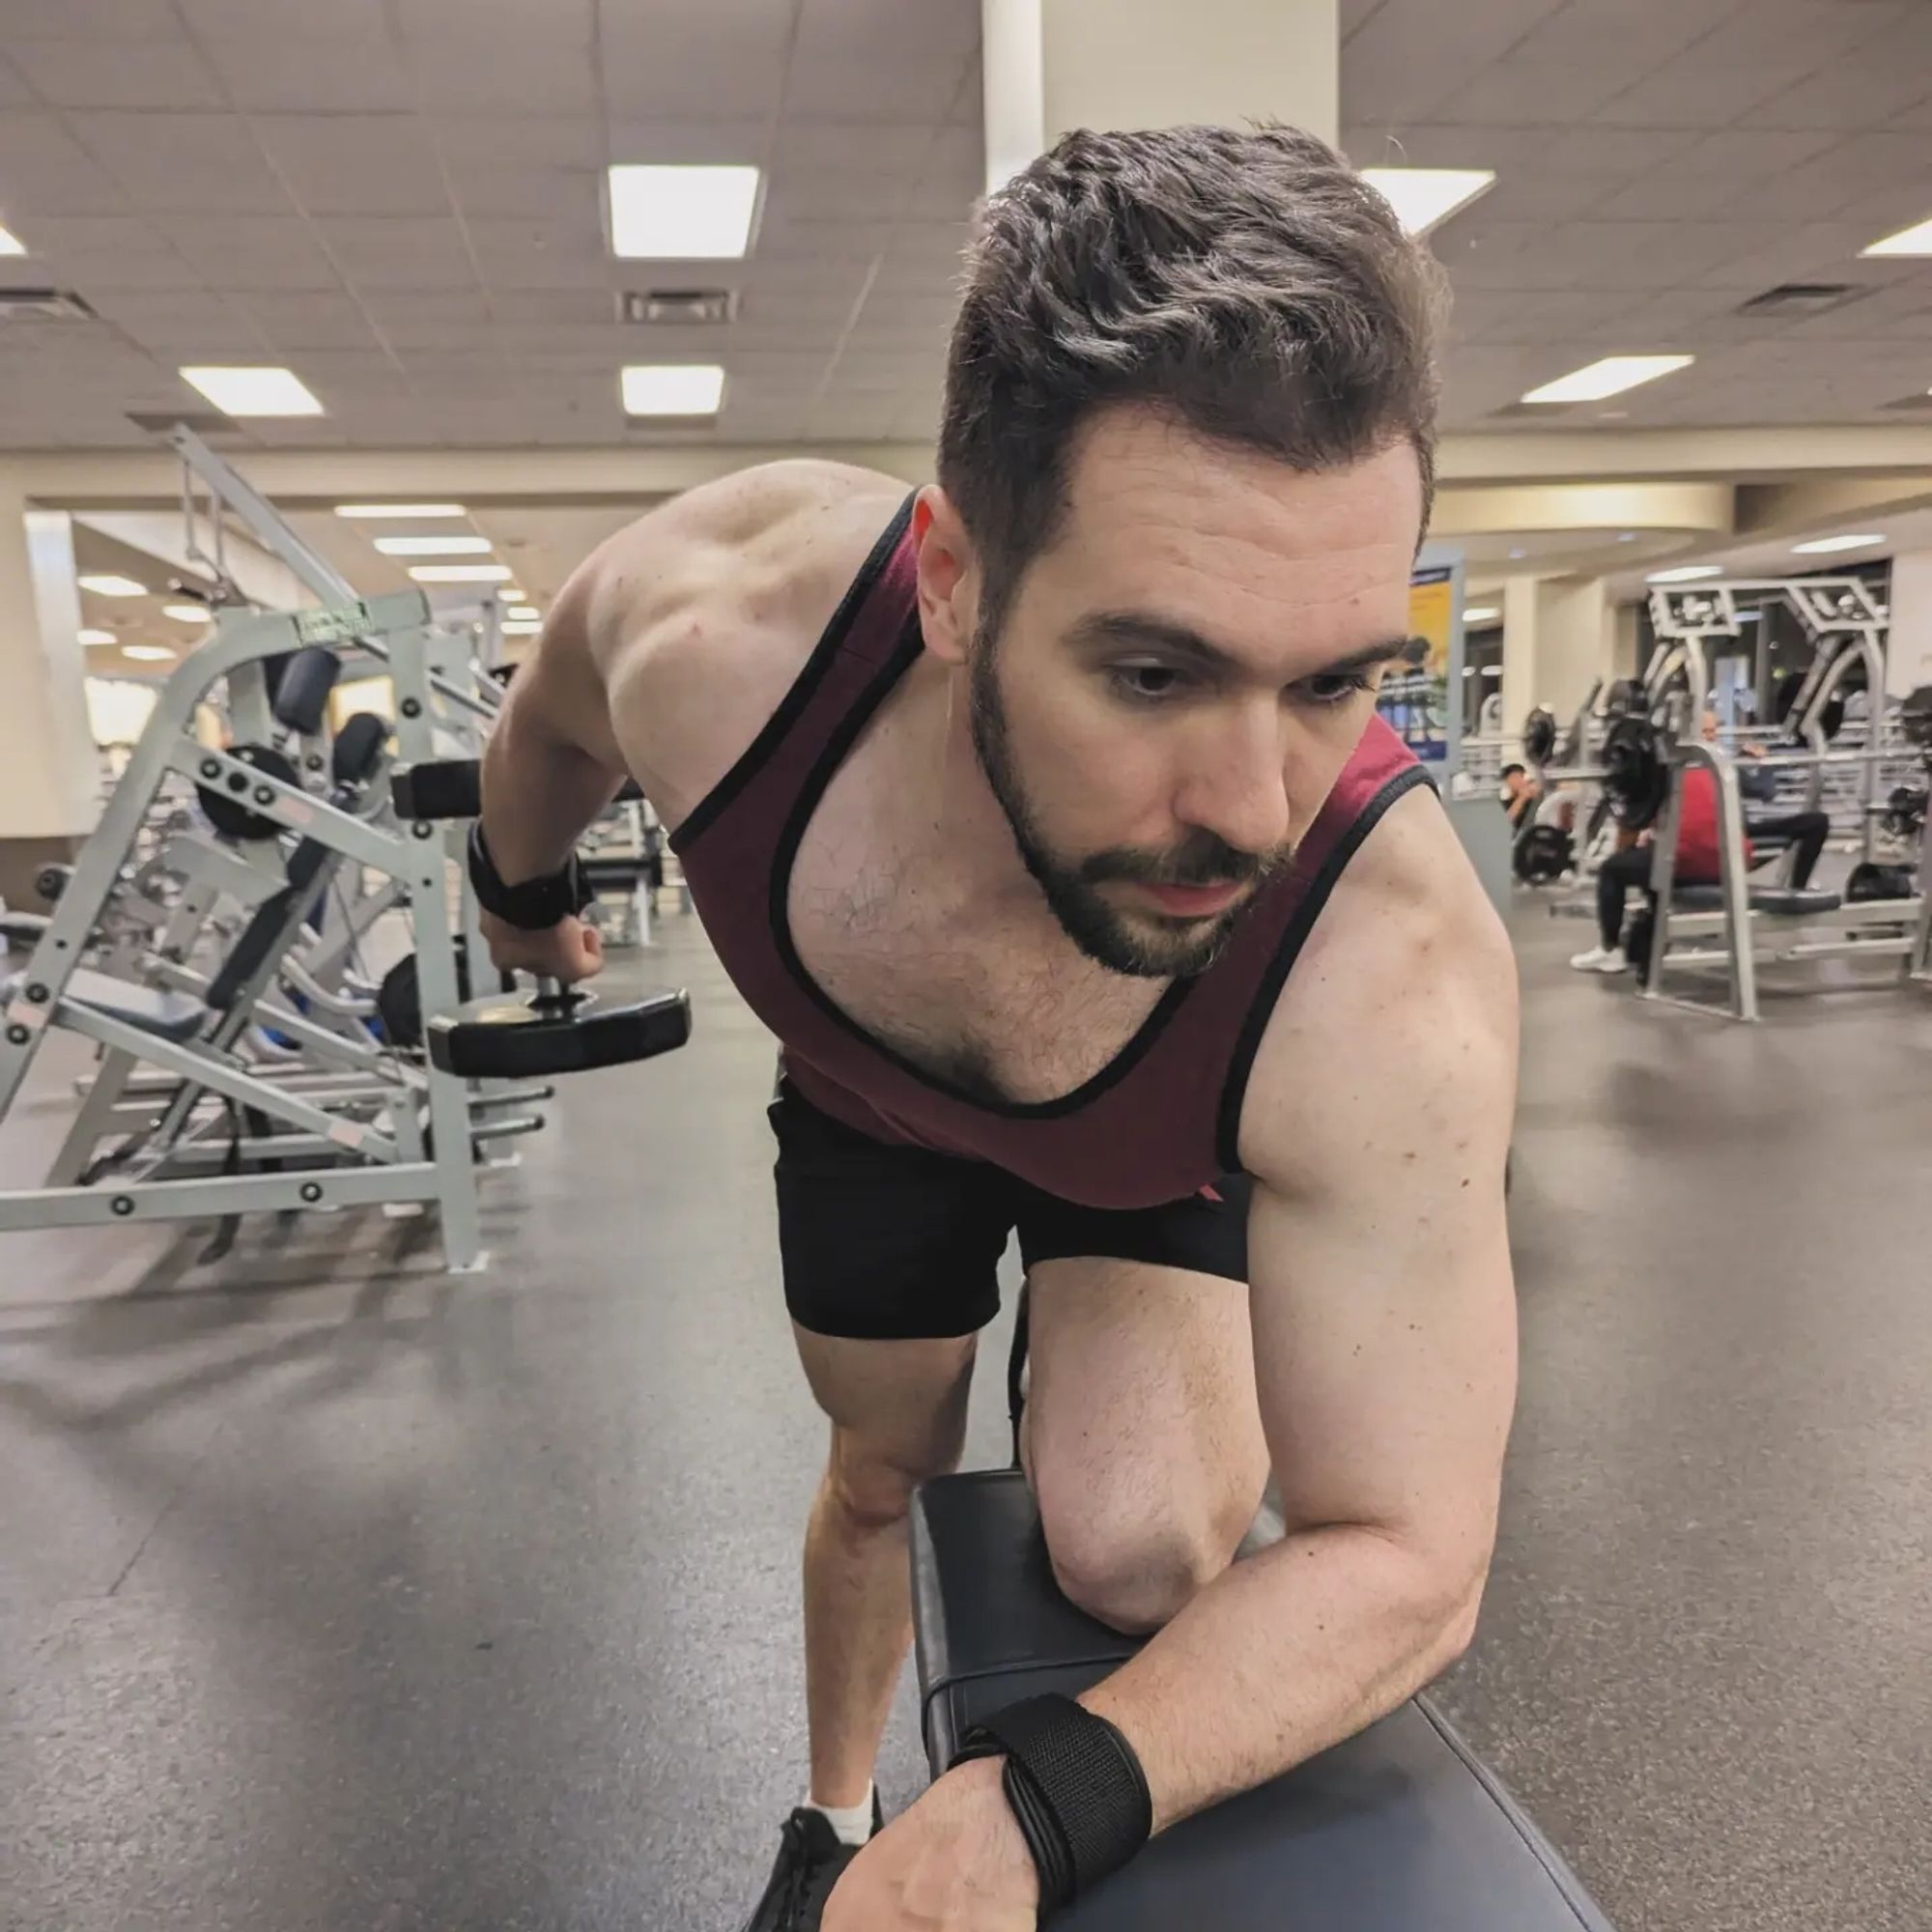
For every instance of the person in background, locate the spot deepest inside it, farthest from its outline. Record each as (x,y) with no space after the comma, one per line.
(1519,794)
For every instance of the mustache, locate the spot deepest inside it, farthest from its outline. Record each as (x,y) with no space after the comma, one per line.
(1202,859)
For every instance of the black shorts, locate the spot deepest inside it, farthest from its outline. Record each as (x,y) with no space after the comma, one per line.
(899,1243)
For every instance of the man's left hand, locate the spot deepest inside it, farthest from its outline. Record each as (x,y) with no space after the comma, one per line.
(954,1862)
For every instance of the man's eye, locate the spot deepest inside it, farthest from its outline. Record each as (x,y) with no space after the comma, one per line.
(1147,683)
(1336,690)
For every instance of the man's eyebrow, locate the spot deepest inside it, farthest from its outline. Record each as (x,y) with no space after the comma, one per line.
(1137,627)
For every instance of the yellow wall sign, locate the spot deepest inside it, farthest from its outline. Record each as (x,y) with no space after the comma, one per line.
(1416,701)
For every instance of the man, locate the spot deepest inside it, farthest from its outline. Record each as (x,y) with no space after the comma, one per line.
(1052,833)
(1519,794)
(1698,853)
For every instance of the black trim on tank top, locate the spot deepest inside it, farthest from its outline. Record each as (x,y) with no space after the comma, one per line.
(777,727)
(1301,923)
(837,749)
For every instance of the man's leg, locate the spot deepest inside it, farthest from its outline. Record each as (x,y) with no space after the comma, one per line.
(899,1416)
(1141,1433)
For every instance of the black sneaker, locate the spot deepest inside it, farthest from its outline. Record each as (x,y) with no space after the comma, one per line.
(812,1859)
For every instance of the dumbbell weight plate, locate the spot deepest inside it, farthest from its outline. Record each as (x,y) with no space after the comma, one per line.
(508,1039)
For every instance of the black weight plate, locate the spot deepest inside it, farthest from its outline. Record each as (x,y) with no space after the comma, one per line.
(516,1040)
(399,1004)
(1539,736)
(1637,777)
(228,809)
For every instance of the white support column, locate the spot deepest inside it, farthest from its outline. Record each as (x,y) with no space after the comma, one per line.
(49,784)
(1909,663)
(1559,634)
(1055,65)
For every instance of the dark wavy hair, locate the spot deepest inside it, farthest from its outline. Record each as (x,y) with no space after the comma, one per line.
(1248,281)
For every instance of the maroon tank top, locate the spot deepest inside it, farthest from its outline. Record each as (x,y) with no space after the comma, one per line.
(1162,1118)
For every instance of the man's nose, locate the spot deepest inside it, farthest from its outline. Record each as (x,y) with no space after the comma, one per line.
(1236,786)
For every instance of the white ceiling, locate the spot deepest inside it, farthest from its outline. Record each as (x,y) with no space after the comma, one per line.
(400,199)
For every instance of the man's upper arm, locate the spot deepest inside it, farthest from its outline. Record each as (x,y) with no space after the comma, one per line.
(1377,1125)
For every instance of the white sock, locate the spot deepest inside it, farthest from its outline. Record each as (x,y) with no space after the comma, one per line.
(853,1823)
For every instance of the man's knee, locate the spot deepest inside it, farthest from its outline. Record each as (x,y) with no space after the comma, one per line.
(1136,1576)
(872,1483)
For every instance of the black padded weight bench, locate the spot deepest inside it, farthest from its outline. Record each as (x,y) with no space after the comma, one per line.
(1399,1830)
(1773,901)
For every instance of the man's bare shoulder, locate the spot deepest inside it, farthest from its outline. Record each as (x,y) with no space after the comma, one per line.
(700,615)
(1401,1003)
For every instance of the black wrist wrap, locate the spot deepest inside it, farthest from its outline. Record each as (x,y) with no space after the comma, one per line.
(1075,1787)
(534,905)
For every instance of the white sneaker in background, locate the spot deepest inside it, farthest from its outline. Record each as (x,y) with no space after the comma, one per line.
(1601,959)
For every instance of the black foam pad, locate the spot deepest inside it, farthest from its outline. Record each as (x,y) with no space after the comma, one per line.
(1396,1830)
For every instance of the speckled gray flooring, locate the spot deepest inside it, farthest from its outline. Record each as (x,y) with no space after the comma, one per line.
(339,1592)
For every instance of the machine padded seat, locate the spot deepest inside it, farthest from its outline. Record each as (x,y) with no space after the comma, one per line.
(1399,1830)
(166,1015)
(1775,903)
(22,928)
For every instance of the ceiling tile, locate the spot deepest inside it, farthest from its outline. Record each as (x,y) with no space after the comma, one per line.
(892,146)
(356,163)
(96,73)
(218,20)
(246,252)
(309,320)
(395,251)
(185,163)
(117,21)
(13,91)
(180,320)
(1614,33)
(1514,93)
(1680,97)
(1411,54)
(533,193)
(723,141)
(514,142)
(44,170)
(90,276)
(311,77)
(640,83)
(1849,97)
(566,22)
(510,73)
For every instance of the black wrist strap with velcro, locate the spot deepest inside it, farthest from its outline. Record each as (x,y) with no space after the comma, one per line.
(1076,1790)
(533,905)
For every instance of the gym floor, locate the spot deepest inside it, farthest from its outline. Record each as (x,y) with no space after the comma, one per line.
(336,1591)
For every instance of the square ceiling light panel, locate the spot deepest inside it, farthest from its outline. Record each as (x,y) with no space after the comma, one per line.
(400,512)
(1915,240)
(682,214)
(449,546)
(254,392)
(1425,198)
(1610,377)
(673,388)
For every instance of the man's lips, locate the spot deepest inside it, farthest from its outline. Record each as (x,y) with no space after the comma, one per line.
(1194,901)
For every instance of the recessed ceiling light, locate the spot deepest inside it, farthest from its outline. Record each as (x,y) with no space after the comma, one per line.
(1827,546)
(682,214)
(1915,240)
(400,511)
(110,584)
(521,628)
(459,573)
(434,546)
(1610,377)
(1688,573)
(187,613)
(1424,198)
(11,243)
(93,636)
(148,653)
(1485,613)
(523,613)
(254,392)
(673,388)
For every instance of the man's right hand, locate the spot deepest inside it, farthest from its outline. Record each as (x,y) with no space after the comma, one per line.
(567,951)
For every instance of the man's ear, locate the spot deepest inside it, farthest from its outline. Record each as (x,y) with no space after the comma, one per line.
(949,582)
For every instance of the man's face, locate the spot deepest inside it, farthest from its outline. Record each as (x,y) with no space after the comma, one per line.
(1179,679)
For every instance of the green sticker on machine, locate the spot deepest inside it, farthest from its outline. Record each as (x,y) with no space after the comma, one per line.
(337,624)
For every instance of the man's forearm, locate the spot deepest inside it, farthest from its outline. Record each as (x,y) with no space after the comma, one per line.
(539,792)
(1278,1659)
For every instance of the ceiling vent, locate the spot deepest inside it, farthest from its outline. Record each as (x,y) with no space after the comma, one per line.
(42,305)
(1795,298)
(683,309)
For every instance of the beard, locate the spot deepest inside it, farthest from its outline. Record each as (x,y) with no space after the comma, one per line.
(1146,945)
